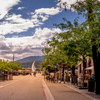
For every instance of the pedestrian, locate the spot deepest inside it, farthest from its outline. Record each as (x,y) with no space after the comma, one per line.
(35,74)
(93,77)
(57,76)
(62,77)
(66,76)
(90,77)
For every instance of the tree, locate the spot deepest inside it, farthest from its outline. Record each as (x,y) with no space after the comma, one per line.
(76,42)
(8,65)
(91,10)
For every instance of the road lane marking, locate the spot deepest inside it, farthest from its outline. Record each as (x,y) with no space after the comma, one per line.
(43,93)
(48,94)
(42,86)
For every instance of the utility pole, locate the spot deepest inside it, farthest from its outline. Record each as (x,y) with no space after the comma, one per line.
(13,57)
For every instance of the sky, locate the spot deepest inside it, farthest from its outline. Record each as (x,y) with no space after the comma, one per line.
(26,24)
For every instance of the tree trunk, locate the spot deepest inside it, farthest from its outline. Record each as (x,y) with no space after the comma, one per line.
(73,70)
(83,69)
(96,56)
(97,74)
(73,74)
(63,72)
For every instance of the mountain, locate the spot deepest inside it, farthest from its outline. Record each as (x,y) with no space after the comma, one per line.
(30,58)
(29,64)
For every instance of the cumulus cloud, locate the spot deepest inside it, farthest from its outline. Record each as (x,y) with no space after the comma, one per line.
(48,11)
(45,33)
(6,5)
(44,13)
(15,23)
(27,45)
(68,3)
(39,36)
(20,8)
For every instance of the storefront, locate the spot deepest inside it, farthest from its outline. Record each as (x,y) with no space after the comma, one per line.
(89,71)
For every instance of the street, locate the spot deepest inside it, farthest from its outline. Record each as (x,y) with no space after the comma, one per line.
(22,88)
(35,88)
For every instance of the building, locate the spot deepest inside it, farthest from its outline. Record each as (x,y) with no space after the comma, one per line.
(89,71)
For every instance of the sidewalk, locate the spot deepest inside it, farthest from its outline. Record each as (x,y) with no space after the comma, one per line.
(84,92)
(54,87)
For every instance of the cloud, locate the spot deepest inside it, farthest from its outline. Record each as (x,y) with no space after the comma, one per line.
(44,17)
(45,33)
(6,5)
(44,13)
(68,3)
(27,45)
(20,8)
(39,36)
(15,23)
(48,11)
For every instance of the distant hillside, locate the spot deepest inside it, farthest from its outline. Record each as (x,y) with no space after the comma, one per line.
(31,58)
(29,64)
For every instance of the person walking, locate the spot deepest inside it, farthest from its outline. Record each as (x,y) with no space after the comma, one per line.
(66,76)
(93,77)
(35,74)
(57,77)
(62,79)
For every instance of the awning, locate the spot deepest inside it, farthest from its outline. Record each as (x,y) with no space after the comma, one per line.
(89,68)
(16,71)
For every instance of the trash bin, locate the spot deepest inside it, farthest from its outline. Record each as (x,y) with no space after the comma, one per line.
(91,85)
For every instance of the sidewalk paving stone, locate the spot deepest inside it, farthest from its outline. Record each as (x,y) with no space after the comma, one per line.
(61,92)
(84,92)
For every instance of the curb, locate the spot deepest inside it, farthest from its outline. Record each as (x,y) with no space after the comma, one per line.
(48,94)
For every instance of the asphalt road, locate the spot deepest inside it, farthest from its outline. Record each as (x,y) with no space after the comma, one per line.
(35,88)
(22,88)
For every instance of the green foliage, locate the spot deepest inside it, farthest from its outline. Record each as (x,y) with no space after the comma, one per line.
(76,42)
(8,65)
